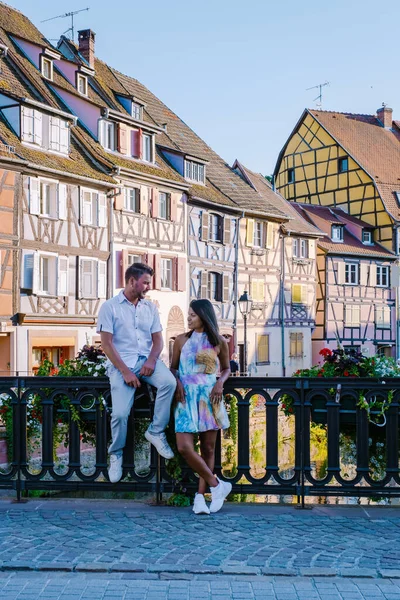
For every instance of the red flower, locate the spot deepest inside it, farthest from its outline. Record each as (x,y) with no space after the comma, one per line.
(346,373)
(290,410)
(320,375)
(325,352)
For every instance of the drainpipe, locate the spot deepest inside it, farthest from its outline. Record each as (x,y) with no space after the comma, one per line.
(282,305)
(235,281)
(397,307)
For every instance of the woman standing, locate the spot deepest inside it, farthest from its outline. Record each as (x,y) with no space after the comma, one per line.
(199,399)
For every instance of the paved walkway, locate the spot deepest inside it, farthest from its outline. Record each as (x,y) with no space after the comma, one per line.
(101,549)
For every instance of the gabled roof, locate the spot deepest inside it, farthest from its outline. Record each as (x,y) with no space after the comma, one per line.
(323,218)
(296,223)
(375,148)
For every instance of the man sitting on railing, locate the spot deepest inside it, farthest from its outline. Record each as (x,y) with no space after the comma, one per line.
(130,330)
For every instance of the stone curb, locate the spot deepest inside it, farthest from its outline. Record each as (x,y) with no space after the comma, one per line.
(165,571)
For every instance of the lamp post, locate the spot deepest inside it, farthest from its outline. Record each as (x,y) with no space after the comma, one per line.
(245,303)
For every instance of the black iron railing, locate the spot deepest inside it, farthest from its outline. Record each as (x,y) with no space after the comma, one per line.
(328,407)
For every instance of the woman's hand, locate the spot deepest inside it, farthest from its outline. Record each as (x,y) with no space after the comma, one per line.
(217,392)
(180,392)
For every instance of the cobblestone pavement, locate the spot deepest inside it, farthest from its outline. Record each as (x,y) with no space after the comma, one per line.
(244,540)
(102,586)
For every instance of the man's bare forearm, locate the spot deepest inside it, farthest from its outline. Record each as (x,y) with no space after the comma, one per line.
(156,350)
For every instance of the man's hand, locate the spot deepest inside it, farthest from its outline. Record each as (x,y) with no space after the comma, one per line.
(216,393)
(148,367)
(131,379)
(180,392)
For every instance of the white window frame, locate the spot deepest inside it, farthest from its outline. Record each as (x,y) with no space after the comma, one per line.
(52,274)
(369,241)
(80,78)
(337,229)
(194,171)
(98,276)
(137,111)
(382,276)
(300,248)
(134,258)
(166,272)
(383,317)
(45,60)
(352,315)
(128,199)
(164,198)
(108,134)
(147,147)
(296,340)
(351,273)
(93,208)
(215,232)
(258,234)
(214,285)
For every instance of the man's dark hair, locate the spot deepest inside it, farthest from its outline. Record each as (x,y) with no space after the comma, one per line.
(137,270)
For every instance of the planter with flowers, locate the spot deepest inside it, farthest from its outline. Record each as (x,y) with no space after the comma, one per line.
(351,364)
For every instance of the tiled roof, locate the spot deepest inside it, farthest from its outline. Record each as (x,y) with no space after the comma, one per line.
(323,218)
(232,189)
(76,164)
(374,147)
(296,223)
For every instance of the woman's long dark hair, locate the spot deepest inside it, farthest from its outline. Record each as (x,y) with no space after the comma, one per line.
(204,309)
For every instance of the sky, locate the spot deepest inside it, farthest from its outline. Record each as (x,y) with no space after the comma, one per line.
(237,72)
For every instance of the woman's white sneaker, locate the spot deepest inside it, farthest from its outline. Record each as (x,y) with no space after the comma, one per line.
(199,505)
(218,495)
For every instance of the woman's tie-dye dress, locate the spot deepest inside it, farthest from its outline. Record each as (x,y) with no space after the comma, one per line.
(198,367)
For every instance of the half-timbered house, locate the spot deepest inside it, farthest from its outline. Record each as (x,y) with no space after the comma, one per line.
(355,303)
(60,208)
(349,161)
(277,266)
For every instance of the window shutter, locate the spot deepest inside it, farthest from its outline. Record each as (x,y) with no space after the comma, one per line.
(297,294)
(174,206)
(364,269)
(144,200)
(154,203)
(101,209)
(54,128)
(227,230)
(64,137)
(250,232)
(254,290)
(37,127)
(225,288)
(311,248)
(62,276)
(261,290)
(181,274)
(62,201)
(140,143)
(205,227)
(102,279)
(86,267)
(340,272)
(292,344)
(157,272)
(124,263)
(27,124)
(203,284)
(34,203)
(356,314)
(81,208)
(35,273)
(269,238)
(119,200)
(122,138)
(372,275)
(263,348)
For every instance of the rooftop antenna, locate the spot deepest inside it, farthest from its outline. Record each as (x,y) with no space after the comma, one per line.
(318,99)
(68,14)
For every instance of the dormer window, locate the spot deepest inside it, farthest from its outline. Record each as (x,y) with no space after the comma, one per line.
(194,171)
(337,233)
(367,237)
(82,84)
(107,134)
(48,132)
(47,68)
(137,111)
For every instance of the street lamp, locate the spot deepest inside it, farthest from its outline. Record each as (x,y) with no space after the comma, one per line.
(245,303)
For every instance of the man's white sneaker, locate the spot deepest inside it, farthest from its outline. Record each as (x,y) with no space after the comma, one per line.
(115,469)
(218,495)
(160,444)
(199,505)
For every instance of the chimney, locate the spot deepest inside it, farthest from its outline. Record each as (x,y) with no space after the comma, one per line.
(385,116)
(86,45)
